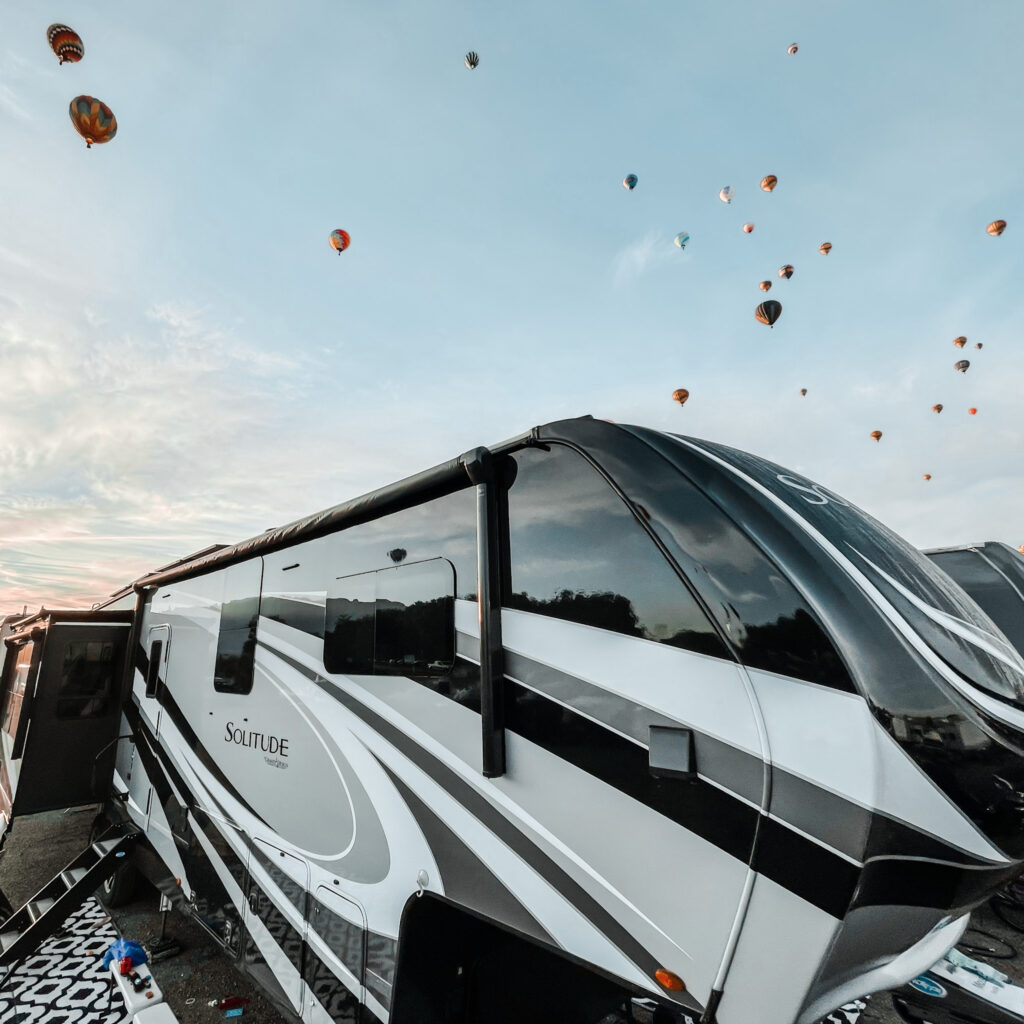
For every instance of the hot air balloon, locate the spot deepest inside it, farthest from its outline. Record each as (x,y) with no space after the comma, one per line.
(472,60)
(93,120)
(876,435)
(803,391)
(997,227)
(961,366)
(927,476)
(726,194)
(960,342)
(792,49)
(937,408)
(340,240)
(786,271)
(977,344)
(972,412)
(66,43)
(748,227)
(1021,549)
(825,248)
(629,182)
(682,238)
(680,395)
(765,286)
(768,312)
(768,182)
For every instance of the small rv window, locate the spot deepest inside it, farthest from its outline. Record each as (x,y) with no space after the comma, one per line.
(395,621)
(577,552)
(156,653)
(236,640)
(86,679)
(17,674)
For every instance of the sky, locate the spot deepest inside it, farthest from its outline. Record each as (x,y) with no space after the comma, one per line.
(184,360)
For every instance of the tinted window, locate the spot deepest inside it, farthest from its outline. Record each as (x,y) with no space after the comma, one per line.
(943,615)
(577,552)
(86,679)
(17,675)
(156,653)
(397,621)
(236,640)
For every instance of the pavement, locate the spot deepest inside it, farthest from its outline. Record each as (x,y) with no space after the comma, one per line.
(41,845)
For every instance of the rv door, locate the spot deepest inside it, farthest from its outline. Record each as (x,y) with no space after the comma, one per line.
(61,711)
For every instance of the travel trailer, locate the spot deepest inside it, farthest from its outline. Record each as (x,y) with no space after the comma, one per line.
(600,724)
(993,574)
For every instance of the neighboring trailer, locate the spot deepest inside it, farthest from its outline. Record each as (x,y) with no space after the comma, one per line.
(993,574)
(600,724)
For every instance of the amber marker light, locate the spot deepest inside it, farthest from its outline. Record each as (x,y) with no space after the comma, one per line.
(668,980)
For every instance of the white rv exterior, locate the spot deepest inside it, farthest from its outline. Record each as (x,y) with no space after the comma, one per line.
(556,726)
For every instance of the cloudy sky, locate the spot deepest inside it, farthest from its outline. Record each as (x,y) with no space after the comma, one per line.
(184,360)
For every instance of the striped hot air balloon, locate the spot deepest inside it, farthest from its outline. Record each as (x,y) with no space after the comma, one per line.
(340,240)
(765,286)
(66,43)
(472,60)
(825,248)
(937,407)
(876,435)
(680,395)
(996,228)
(93,120)
(960,342)
(768,182)
(786,271)
(769,312)
(962,365)
(792,48)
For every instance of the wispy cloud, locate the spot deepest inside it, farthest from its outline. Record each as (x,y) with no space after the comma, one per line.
(638,257)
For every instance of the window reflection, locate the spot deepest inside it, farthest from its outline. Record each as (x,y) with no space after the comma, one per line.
(86,680)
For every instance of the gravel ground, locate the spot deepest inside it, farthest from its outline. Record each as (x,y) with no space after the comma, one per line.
(40,846)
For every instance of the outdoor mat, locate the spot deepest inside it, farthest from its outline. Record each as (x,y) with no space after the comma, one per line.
(64,981)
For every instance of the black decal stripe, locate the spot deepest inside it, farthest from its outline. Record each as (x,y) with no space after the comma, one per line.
(281,930)
(340,1004)
(466,879)
(493,819)
(157,766)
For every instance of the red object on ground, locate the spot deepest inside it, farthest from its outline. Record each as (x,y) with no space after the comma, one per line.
(124,966)
(232,1002)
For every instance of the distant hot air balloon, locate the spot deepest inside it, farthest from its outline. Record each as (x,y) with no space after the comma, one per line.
(768,312)
(680,395)
(472,60)
(66,43)
(726,194)
(768,182)
(937,407)
(997,227)
(972,412)
(825,248)
(977,344)
(765,286)
(93,120)
(962,365)
(792,48)
(1021,549)
(340,240)
(629,182)
(927,476)
(682,238)
(960,342)
(803,391)
(786,271)
(748,227)
(876,435)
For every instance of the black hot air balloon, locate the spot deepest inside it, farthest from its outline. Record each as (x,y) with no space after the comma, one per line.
(962,365)
(768,312)
(472,60)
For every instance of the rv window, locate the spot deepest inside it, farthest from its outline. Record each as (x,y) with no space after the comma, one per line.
(577,552)
(18,676)
(239,615)
(396,621)
(86,679)
(156,653)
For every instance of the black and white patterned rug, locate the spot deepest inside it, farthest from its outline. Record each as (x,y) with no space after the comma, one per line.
(64,981)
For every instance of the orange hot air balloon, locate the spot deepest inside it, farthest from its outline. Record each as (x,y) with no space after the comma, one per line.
(768,182)
(748,227)
(765,286)
(937,408)
(996,228)
(93,120)
(1021,549)
(66,43)
(927,476)
(973,412)
(825,248)
(786,271)
(960,342)
(340,240)
(803,391)
(876,435)
(680,395)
